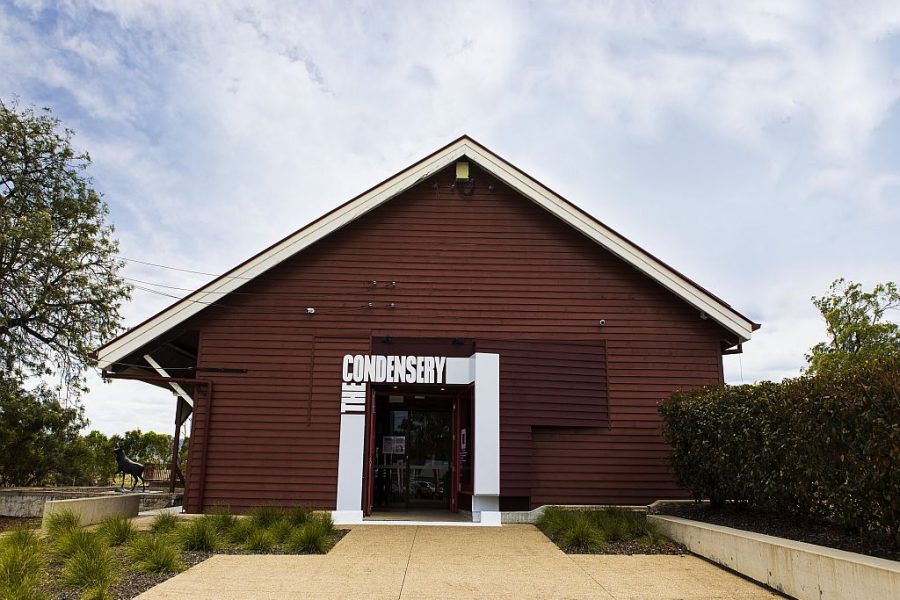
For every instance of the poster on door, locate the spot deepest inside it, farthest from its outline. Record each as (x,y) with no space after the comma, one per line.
(393,444)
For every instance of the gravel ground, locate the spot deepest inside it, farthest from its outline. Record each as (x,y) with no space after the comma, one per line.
(785,526)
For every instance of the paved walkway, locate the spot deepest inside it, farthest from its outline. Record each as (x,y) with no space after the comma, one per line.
(509,562)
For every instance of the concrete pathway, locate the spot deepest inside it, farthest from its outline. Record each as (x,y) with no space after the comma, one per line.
(509,562)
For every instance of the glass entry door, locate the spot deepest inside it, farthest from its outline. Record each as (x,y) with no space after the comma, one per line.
(413,448)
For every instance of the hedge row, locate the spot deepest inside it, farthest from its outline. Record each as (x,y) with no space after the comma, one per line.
(825,447)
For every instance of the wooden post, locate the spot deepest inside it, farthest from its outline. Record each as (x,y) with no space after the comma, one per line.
(176,442)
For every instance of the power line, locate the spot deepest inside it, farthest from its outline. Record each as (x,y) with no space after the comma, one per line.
(151,264)
(362,289)
(272,310)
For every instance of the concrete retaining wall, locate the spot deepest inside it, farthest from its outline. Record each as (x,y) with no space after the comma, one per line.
(94,510)
(29,502)
(531,516)
(804,571)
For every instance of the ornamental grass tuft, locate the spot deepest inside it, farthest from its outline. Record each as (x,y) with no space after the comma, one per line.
(116,530)
(199,535)
(553,521)
(281,530)
(620,524)
(315,537)
(60,522)
(21,566)
(582,536)
(91,568)
(260,540)
(241,530)
(222,519)
(74,540)
(299,515)
(155,554)
(589,531)
(265,516)
(164,523)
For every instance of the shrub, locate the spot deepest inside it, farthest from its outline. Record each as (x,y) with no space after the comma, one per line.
(315,537)
(221,519)
(60,522)
(266,516)
(200,535)
(281,530)
(116,530)
(822,447)
(260,540)
(90,568)
(164,523)
(155,554)
(21,566)
(241,531)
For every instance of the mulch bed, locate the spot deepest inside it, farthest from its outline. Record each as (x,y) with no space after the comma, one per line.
(786,526)
(10,523)
(632,547)
(131,584)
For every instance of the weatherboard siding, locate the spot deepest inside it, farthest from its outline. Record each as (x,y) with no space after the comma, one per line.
(492,267)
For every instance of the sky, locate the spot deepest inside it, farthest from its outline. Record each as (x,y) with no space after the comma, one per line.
(754,146)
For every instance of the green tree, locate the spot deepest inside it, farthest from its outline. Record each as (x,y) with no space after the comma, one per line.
(38,436)
(145,447)
(858,330)
(183,453)
(96,461)
(60,291)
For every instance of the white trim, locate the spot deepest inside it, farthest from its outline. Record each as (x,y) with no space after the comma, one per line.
(491,518)
(180,311)
(179,391)
(350,462)
(347,517)
(486,405)
(340,519)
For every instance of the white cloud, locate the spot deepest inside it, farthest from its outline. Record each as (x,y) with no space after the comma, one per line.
(735,140)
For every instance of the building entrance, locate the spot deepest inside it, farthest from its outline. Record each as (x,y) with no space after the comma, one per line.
(413,447)
(414,454)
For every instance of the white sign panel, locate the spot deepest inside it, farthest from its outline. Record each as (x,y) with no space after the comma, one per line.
(362,368)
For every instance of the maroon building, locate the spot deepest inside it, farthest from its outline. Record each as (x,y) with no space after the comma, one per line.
(457,338)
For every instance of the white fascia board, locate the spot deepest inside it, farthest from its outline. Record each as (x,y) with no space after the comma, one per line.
(528,187)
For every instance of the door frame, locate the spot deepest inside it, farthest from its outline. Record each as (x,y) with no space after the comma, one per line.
(369,472)
(454,395)
(454,456)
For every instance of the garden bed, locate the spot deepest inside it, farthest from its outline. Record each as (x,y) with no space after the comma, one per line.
(10,523)
(115,560)
(604,531)
(781,525)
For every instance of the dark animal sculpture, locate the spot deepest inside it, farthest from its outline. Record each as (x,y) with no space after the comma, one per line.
(129,467)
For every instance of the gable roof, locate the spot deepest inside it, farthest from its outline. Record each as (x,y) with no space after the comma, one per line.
(715,308)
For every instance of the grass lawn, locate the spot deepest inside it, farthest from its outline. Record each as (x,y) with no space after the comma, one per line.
(604,531)
(116,560)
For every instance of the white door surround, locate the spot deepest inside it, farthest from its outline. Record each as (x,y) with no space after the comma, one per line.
(481,369)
